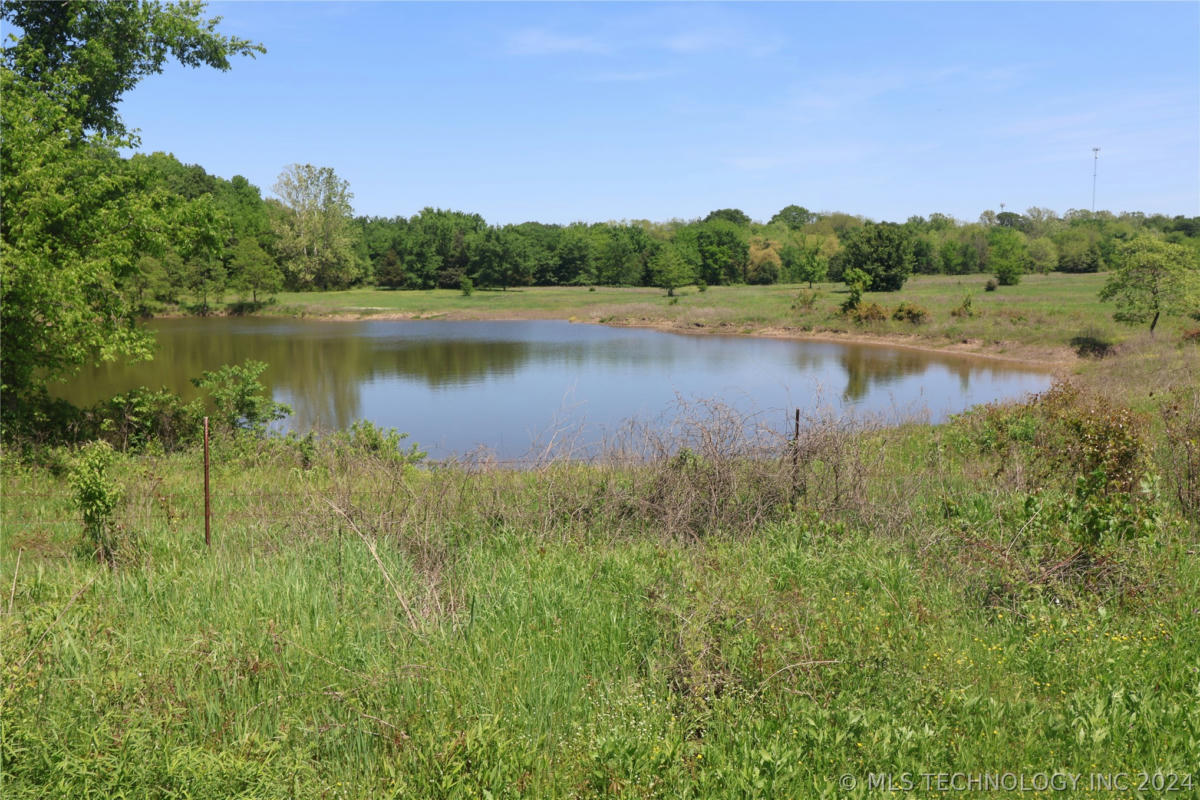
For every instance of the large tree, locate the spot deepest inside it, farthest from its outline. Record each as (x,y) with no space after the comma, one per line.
(316,233)
(884,251)
(1008,254)
(1153,278)
(76,219)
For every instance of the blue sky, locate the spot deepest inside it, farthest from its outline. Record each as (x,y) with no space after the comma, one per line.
(564,112)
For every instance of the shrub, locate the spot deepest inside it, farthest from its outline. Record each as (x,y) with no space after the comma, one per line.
(910,312)
(239,397)
(991,285)
(805,299)
(466,286)
(96,497)
(1092,451)
(870,312)
(368,439)
(965,308)
(701,286)
(856,281)
(142,418)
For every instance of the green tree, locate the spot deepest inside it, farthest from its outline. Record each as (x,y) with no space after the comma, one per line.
(857,281)
(316,234)
(884,251)
(794,217)
(1008,254)
(1078,250)
(724,253)
(76,218)
(734,215)
(765,264)
(669,270)
(1043,255)
(1152,278)
(804,262)
(256,270)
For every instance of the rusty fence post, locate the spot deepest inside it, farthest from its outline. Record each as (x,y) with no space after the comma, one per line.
(207,507)
(796,460)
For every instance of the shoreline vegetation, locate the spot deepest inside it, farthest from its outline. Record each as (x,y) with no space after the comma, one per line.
(1044,322)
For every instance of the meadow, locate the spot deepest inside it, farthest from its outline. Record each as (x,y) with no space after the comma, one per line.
(717,615)
(1035,320)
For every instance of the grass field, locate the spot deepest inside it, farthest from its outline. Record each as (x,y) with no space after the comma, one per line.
(1037,319)
(1014,592)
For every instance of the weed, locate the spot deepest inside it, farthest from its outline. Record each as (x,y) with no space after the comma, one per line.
(965,308)
(805,299)
(1181,420)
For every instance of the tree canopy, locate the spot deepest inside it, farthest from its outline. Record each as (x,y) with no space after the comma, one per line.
(884,251)
(76,217)
(1153,277)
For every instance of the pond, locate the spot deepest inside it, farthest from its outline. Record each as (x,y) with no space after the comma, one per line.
(508,386)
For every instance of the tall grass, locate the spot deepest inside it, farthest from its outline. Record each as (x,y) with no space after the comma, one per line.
(715,611)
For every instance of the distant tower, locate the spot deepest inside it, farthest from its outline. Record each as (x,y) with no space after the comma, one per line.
(1095,163)
(1002,208)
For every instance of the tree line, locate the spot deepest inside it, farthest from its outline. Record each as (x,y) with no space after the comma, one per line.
(306,238)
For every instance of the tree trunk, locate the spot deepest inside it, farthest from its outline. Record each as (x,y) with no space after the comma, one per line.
(1153,322)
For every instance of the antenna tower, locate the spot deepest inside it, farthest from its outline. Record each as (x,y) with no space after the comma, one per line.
(1095,163)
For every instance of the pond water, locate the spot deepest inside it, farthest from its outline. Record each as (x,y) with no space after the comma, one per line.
(507,386)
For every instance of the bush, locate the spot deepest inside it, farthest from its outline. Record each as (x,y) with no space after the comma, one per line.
(805,299)
(965,308)
(142,418)
(1093,452)
(857,282)
(870,312)
(991,285)
(365,438)
(96,497)
(239,397)
(701,286)
(910,312)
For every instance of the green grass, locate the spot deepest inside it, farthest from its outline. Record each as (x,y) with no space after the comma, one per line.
(548,633)
(1036,319)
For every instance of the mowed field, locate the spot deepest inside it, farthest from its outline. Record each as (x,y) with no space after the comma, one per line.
(1036,320)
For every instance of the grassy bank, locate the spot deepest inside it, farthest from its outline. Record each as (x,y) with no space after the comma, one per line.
(1012,592)
(1035,320)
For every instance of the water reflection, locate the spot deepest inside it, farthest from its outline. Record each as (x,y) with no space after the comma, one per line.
(876,367)
(454,385)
